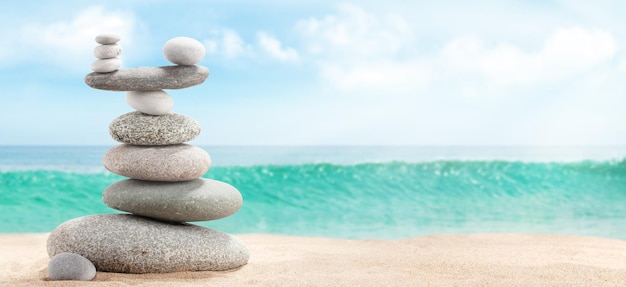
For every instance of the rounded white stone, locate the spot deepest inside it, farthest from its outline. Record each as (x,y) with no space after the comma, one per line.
(183,51)
(106,39)
(107,51)
(150,102)
(106,65)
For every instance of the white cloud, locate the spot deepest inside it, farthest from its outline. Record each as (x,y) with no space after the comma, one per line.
(274,48)
(358,51)
(568,51)
(227,43)
(70,43)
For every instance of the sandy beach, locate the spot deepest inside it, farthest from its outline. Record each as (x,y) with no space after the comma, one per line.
(438,260)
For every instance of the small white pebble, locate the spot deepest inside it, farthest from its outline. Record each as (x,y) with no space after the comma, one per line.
(183,51)
(106,39)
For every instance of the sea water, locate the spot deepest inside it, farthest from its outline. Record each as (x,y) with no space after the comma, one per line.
(352,192)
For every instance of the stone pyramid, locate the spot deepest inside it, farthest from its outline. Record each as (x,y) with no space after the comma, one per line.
(165,189)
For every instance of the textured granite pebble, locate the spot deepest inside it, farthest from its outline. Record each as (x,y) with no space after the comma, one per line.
(126,243)
(149,78)
(183,51)
(106,65)
(158,163)
(70,266)
(137,128)
(106,39)
(150,102)
(194,200)
(107,51)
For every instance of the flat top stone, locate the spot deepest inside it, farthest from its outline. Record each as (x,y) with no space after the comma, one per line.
(107,39)
(149,78)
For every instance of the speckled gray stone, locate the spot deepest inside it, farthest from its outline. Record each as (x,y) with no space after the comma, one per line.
(158,163)
(148,78)
(195,200)
(70,266)
(137,128)
(126,243)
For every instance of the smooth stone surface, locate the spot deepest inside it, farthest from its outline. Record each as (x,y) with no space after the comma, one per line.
(70,266)
(106,39)
(194,200)
(106,65)
(149,78)
(107,51)
(126,243)
(150,102)
(137,128)
(158,163)
(183,51)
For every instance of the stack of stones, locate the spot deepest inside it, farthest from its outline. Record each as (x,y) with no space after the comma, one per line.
(165,189)
(107,53)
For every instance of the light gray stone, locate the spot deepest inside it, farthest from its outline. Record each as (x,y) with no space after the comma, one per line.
(106,39)
(157,163)
(183,51)
(150,102)
(106,65)
(194,200)
(70,266)
(126,243)
(149,78)
(137,128)
(107,51)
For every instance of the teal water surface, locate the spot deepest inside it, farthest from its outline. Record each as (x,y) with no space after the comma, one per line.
(393,199)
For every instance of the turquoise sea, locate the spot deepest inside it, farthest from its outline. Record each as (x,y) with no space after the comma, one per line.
(352,192)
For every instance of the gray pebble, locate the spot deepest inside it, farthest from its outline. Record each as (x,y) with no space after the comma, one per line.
(106,65)
(107,51)
(127,243)
(70,266)
(106,39)
(137,128)
(149,78)
(157,163)
(194,200)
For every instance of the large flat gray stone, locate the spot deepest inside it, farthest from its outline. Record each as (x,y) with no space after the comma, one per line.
(128,243)
(148,78)
(157,163)
(137,128)
(195,200)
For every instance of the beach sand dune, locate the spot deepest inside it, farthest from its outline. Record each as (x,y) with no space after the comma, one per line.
(438,260)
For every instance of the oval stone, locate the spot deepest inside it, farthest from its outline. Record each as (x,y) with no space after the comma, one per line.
(183,51)
(150,102)
(70,266)
(157,163)
(106,65)
(106,39)
(148,78)
(107,51)
(137,128)
(195,200)
(126,243)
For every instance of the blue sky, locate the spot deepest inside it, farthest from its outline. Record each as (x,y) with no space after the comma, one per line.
(330,73)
